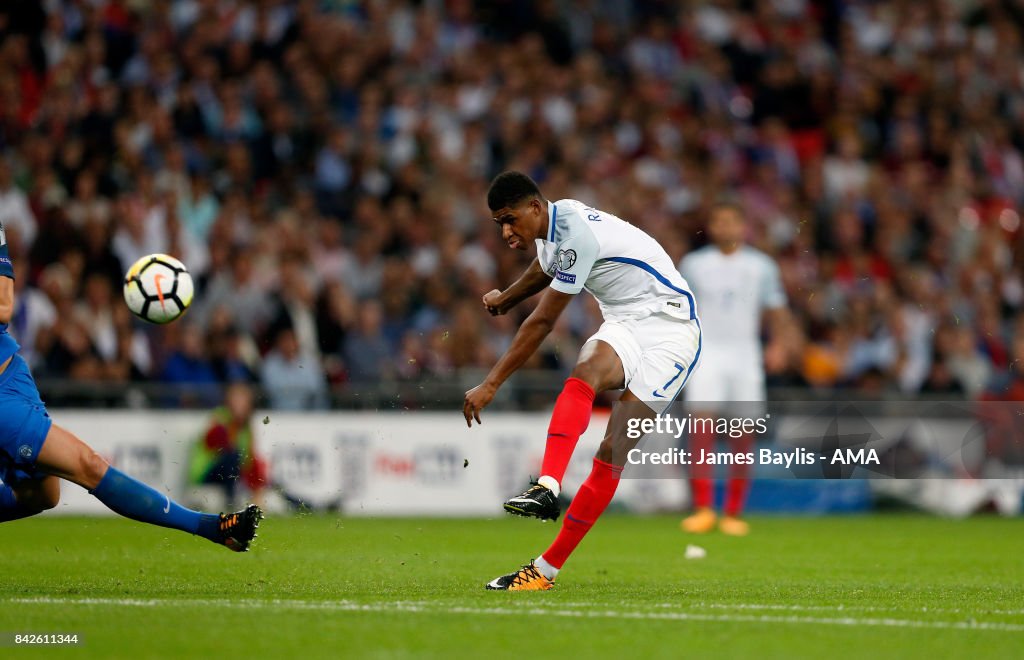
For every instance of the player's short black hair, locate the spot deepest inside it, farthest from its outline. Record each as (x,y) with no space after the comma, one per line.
(509,189)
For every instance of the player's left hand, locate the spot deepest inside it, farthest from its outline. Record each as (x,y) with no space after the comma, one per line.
(492,303)
(475,401)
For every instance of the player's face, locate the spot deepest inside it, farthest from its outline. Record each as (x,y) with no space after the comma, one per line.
(521,224)
(726,227)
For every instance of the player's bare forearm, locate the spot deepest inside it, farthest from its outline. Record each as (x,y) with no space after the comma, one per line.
(527,340)
(535,328)
(531,282)
(6,299)
(531,333)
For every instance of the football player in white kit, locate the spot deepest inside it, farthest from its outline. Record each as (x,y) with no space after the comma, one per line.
(649,345)
(735,283)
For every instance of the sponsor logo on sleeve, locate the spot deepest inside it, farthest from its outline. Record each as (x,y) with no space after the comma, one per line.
(568,278)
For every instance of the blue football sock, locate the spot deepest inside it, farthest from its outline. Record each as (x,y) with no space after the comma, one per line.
(133,499)
(10,509)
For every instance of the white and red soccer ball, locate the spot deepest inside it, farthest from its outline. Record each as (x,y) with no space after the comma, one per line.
(158,288)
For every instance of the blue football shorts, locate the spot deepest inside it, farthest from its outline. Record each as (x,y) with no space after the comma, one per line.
(24,423)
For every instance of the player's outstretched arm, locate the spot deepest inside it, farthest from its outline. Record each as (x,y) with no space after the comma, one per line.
(531,282)
(531,333)
(6,299)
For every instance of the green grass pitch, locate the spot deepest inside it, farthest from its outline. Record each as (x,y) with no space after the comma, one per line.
(859,586)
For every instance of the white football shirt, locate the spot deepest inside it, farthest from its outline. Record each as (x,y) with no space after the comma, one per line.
(626,270)
(733,289)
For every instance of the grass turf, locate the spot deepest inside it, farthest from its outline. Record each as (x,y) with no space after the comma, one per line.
(879,586)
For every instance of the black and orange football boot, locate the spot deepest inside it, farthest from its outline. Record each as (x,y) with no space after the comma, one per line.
(535,502)
(527,578)
(237,530)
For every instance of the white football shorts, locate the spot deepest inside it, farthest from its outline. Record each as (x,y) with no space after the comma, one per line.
(659,353)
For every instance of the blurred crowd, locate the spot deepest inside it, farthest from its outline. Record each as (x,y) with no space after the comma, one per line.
(321,167)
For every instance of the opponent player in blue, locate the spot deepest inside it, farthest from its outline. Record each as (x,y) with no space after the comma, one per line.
(35,454)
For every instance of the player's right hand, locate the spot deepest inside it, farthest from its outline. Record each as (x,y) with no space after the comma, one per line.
(476,400)
(491,303)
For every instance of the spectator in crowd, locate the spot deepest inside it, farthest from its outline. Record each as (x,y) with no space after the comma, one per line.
(33,319)
(15,214)
(366,351)
(882,169)
(187,365)
(293,381)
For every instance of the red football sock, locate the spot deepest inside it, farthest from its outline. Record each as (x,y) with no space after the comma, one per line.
(739,477)
(590,502)
(702,476)
(568,422)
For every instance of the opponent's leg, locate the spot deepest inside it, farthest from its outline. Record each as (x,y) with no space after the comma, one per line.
(11,508)
(29,497)
(597,369)
(65,456)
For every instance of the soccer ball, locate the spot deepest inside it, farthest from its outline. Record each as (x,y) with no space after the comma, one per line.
(158,288)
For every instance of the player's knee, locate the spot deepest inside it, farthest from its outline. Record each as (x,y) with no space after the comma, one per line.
(582,371)
(92,467)
(606,452)
(50,499)
(590,374)
(38,496)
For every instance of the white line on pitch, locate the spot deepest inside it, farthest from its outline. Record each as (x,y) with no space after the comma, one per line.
(422,607)
(697,605)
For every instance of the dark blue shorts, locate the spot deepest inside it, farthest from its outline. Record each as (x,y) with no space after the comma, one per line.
(24,423)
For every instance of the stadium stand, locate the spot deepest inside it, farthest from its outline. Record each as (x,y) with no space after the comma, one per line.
(321,168)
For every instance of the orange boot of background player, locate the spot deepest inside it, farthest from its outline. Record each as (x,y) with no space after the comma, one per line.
(701,522)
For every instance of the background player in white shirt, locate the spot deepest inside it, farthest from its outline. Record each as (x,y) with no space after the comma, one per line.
(736,283)
(649,345)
